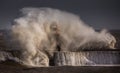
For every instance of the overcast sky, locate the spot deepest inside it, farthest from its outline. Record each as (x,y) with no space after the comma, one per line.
(96,13)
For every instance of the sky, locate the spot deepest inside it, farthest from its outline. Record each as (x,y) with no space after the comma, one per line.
(96,13)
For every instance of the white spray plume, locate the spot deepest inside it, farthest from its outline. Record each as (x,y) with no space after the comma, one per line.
(47,29)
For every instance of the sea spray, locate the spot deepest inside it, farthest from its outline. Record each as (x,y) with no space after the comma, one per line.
(46,30)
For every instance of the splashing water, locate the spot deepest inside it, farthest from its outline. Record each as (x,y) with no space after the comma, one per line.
(48,30)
